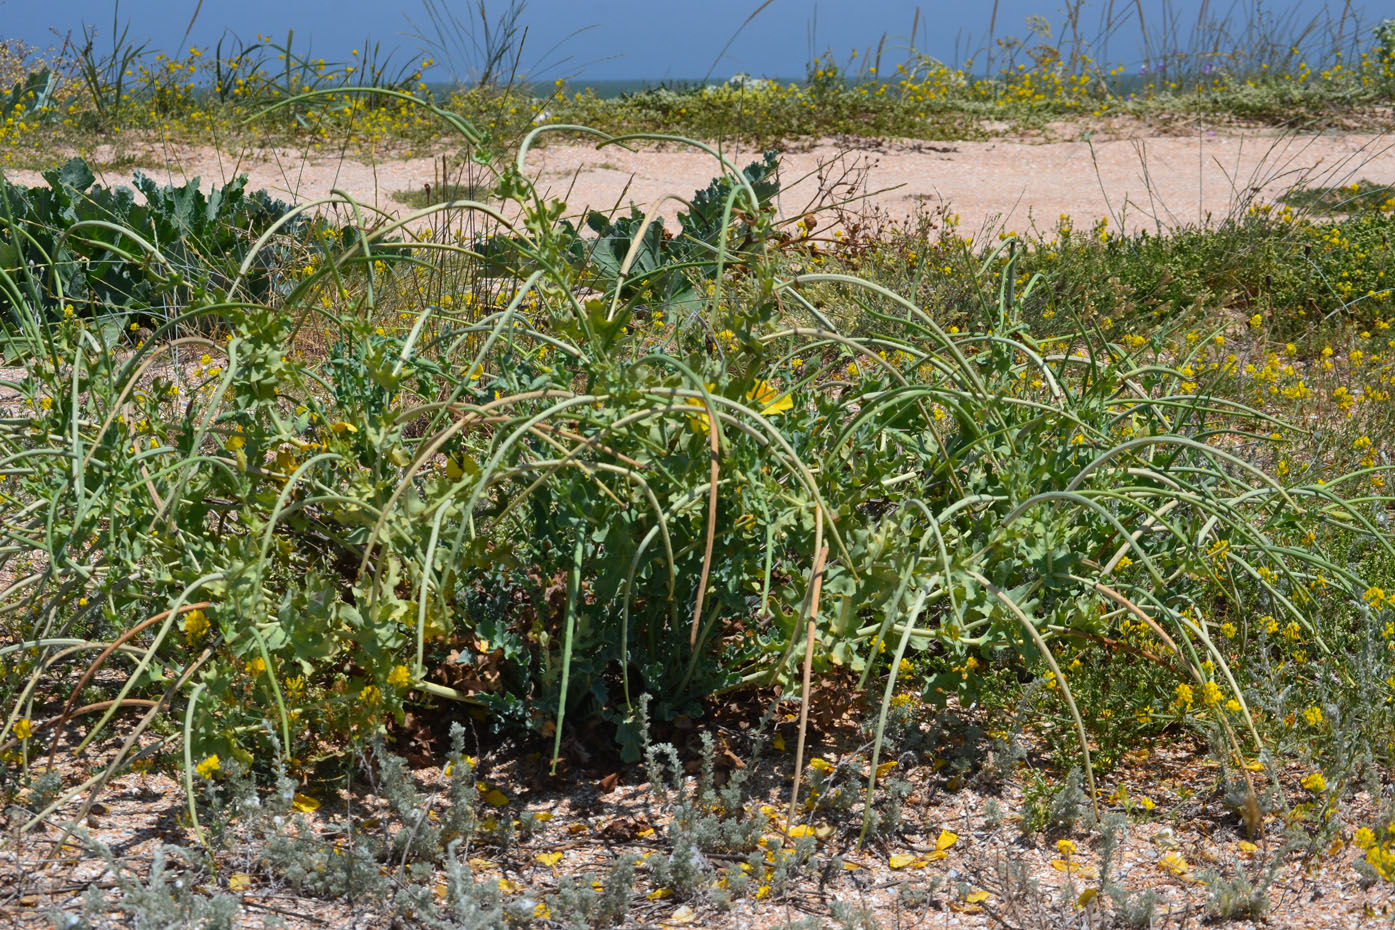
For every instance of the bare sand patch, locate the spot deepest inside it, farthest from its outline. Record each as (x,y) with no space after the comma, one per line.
(1143,179)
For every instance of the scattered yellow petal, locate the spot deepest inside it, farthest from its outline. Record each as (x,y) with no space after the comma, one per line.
(575,828)
(542,816)
(1086,896)
(507,887)
(850,866)
(900,860)
(658,893)
(762,891)
(304,803)
(823,765)
(779,742)
(549,859)
(479,864)
(683,915)
(820,831)
(945,840)
(884,768)
(1247,847)
(1175,863)
(343,427)
(645,833)
(239,881)
(496,798)
(977,897)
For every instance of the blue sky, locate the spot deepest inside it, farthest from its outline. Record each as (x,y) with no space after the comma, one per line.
(653,39)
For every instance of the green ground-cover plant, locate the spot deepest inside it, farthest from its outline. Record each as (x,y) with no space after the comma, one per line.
(125,263)
(1347,198)
(1228,310)
(610,469)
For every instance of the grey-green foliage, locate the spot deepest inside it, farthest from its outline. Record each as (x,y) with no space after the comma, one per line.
(1129,909)
(167,899)
(468,904)
(685,869)
(992,814)
(704,820)
(425,832)
(847,917)
(1133,910)
(1068,806)
(885,816)
(44,789)
(1236,896)
(285,844)
(313,866)
(579,906)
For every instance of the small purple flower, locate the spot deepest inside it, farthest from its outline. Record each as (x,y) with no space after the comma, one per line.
(1142,69)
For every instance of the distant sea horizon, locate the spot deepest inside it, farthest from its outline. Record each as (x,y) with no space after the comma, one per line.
(610,88)
(616,87)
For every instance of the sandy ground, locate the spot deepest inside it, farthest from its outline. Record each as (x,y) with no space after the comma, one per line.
(1166,852)
(1136,177)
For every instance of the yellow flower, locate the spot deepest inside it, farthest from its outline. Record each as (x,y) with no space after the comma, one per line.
(23,728)
(1065,847)
(1184,695)
(1313,715)
(399,677)
(208,766)
(195,626)
(255,666)
(772,403)
(1365,838)
(1315,783)
(371,694)
(1210,692)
